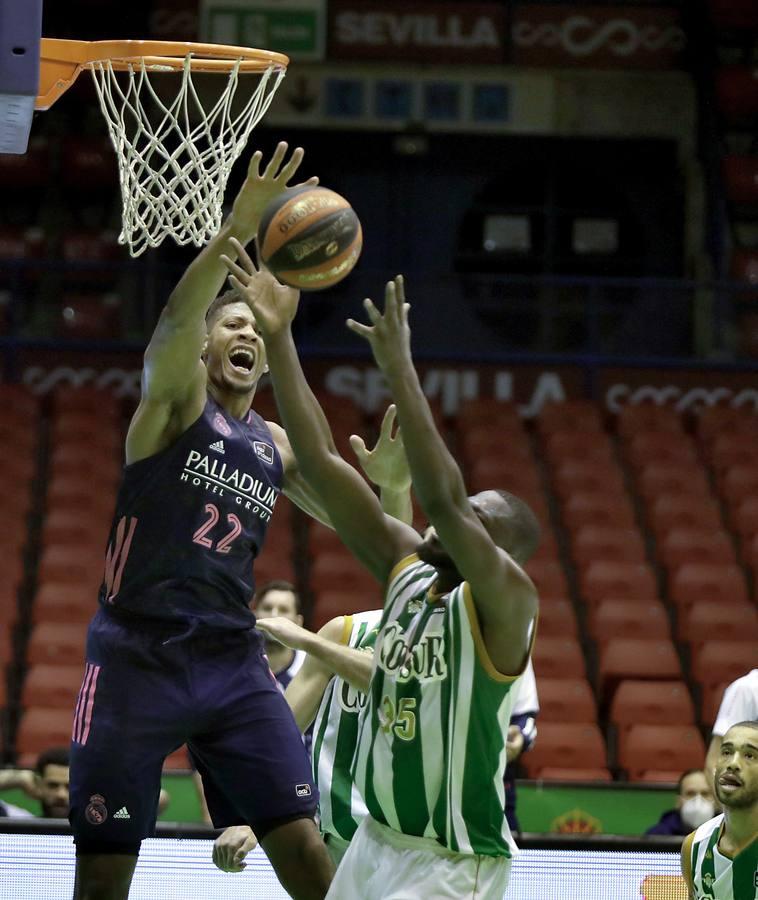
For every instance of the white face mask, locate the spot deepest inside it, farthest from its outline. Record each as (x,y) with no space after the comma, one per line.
(696,810)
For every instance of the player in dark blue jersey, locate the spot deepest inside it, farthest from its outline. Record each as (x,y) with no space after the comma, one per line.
(174,631)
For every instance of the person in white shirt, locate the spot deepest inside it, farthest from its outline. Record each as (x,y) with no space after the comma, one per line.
(739,704)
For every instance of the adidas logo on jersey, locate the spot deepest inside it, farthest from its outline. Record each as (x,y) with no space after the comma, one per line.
(218,446)
(123,813)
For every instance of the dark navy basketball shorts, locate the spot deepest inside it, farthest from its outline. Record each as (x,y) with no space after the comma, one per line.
(143,697)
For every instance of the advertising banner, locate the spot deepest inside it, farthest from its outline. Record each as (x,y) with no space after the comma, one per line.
(617,37)
(418,32)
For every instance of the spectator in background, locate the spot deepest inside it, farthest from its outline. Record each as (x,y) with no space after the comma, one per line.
(694,805)
(739,704)
(47,783)
(522,732)
(279,598)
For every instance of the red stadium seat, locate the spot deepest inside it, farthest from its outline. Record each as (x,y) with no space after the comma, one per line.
(660,446)
(329,604)
(52,686)
(733,13)
(612,618)
(330,570)
(548,576)
(738,482)
(729,450)
(636,658)
(741,179)
(717,661)
(569,745)
(490,440)
(177,761)
(64,603)
(587,477)
(566,700)
(683,545)
(651,703)
(558,657)
(672,478)
(89,315)
(599,509)
(41,728)
(57,643)
(638,418)
(561,446)
(490,412)
(713,421)
(569,415)
(737,93)
(711,582)
(673,748)
(712,695)
(6,645)
(619,580)
(98,248)
(100,402)
(88,163)
(671,511)
(706,621)
(556,773)
(509,474)
(557,618)
(69,527)
(744,517)
(72,565)
(593,542)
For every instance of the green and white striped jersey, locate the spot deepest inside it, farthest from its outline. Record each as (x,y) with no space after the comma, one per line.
(431,745)
(335,732)
(715,876)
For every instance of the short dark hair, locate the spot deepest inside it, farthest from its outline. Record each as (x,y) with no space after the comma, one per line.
(225,299)
(687,775)
(526,527)
(277,584)
(53,756)
(750,723)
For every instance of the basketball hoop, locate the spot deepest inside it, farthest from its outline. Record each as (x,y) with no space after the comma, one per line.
(174,156)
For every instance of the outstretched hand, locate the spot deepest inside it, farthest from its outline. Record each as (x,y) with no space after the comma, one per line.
(283,630)
(386,465)
(259,189)
(388,334)
(274,304)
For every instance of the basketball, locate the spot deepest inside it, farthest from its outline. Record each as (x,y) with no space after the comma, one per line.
(309,238)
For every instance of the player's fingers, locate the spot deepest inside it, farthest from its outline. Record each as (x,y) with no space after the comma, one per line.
(400,288)
(358,445)
(235,269)
(373,312)
(237,284)
(243,256)
(364,331)
(272,168)
(387,422)
(293,165)
(254,169)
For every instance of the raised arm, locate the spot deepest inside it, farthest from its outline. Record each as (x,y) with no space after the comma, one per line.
(504,596)
(353,510)
(173,376)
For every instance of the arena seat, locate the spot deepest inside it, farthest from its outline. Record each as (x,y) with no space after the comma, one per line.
(88,315)
(738,482)
(547,548)
(619,580)
(636,658)
(506,473)
(638,418)
(713,421)
(558,657)
(587,477)
(64,526)
(566,745)
(548,576)
(740,173)
(87,163)
(51,686)
(40,728)
(16,466)
(560,446)
(569,415)
(487,440)
(566,700)
(101,403)
(683,545)
(329,603)
(655,479)
(79,566)
(487,411)
(651,703)
(6,645)
(556,773)
(557,618)
(729,450)
(737,93)
(599,509)
(671,748)
(712,582)
(733,14)
(712,695)
(64,603)
(611,618)
(57,643)
(660,446)
(99,248)
(715,662)
(329,569)
(594,542)
(722,621)
(671,511)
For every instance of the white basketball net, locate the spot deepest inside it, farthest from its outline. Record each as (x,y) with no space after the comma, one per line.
(174,161)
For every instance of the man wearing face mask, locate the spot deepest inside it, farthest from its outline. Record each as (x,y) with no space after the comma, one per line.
(694,805)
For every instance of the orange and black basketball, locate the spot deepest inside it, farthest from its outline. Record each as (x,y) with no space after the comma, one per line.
(309,237)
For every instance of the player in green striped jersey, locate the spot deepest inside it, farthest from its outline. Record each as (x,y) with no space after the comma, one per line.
(456,631)
(720,858)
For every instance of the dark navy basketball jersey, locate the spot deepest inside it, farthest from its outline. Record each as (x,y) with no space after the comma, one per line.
(190,521)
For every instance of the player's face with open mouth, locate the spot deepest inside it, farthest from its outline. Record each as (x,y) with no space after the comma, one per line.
(736,773)
(235,355)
